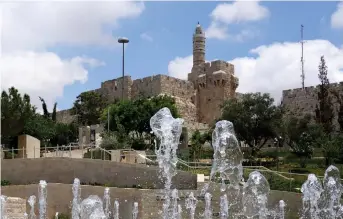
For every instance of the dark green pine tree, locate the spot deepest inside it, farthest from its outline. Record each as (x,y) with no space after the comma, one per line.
(324,110)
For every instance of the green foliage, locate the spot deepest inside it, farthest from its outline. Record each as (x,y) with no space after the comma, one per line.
(111,141)
(130,119)
(324,110)
(255,118)
(46,113)
(88,107)
(20,117)
(97,154)
(40,127)
(64,134)
(197,142)
(5,183)
(303,148)
(16,110)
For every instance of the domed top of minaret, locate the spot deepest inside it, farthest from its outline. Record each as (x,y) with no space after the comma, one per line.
(198,29)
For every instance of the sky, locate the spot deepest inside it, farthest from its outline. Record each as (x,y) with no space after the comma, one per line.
(57,50)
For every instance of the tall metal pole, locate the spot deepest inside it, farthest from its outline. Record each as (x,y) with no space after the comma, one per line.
(302,59)
(123,40)
(122,89)
(108,119)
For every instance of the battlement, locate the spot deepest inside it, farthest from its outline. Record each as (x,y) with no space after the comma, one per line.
(307,90)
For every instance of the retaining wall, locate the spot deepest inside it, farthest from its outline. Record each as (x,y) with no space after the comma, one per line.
(91,172)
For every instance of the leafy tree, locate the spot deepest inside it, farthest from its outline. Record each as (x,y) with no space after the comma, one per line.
(64,134)
(255,118)
(324,110)
(132,117)
(88,108)
(303,148)
(40,127)
(16,110)
(46,113)
(301,134)
(197,142)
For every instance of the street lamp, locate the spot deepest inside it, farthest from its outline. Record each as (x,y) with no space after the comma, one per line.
(123,40)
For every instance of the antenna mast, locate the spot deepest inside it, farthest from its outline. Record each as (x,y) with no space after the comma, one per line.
(302,58)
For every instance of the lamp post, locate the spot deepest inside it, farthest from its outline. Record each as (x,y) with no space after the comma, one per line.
(277,143)
(123,40)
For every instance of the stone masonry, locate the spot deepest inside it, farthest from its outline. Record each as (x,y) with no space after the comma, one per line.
(299,102)
(198,99)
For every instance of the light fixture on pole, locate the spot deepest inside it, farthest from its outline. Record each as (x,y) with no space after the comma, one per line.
(123,40)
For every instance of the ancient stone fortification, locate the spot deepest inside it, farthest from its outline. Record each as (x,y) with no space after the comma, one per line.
(303,101)
(198,98)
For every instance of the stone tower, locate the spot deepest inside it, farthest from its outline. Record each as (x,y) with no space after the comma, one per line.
(198,46)
(214,82)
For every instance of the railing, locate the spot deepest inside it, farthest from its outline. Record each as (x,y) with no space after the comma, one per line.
(73,150)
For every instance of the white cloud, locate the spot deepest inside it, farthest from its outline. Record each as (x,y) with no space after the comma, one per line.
(38,25)
(146,37)
(217,31)
(237,12)
(180,67)
(277,66)
(337,17)
(29,29)
(43,74)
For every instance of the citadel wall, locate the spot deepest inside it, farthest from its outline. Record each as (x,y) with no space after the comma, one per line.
(299,102)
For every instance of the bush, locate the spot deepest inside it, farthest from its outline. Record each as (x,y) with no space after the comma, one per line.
(5,183)
(97,154)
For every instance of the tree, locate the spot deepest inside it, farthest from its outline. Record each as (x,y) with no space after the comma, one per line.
(40,127)
(16,110)
(254,117)
(88,108)
(301,135)
(324,110)
(46,113)
(64,133)
(197,142)
(303,148)
(132,117)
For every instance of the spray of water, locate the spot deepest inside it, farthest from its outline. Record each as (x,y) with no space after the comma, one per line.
(76,208)
(135,210)
(116,210)
(42,194)
(191,204)
(107,202)
(92,208)
(224,207)
(32,202)
(3,200)
(208,207)
(311,190)
(168,131)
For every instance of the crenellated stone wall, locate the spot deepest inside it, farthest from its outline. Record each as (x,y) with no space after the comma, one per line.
(300,101)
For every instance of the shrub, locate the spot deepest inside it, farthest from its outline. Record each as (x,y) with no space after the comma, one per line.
(5,183)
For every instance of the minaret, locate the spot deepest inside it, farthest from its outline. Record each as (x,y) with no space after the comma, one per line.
(198,46)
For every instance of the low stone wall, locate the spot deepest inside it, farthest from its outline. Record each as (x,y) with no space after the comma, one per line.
(60,197)
(90,172)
